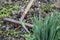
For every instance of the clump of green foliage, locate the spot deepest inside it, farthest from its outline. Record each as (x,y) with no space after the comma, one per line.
(47,8)
(25,1)
(47,29)
(14,33)
(5,12)
(1,32)
(9,33)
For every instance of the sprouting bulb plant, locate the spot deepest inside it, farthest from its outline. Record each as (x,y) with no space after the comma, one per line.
(47,29)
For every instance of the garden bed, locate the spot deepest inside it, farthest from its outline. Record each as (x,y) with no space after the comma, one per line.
(10,13)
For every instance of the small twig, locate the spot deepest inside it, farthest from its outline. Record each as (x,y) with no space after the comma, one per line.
(27,9)
(17,22)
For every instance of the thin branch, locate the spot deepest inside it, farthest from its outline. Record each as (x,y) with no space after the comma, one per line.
(17,22)
(27,9)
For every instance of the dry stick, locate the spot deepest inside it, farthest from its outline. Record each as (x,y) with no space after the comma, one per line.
(16,22)
(27,9)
